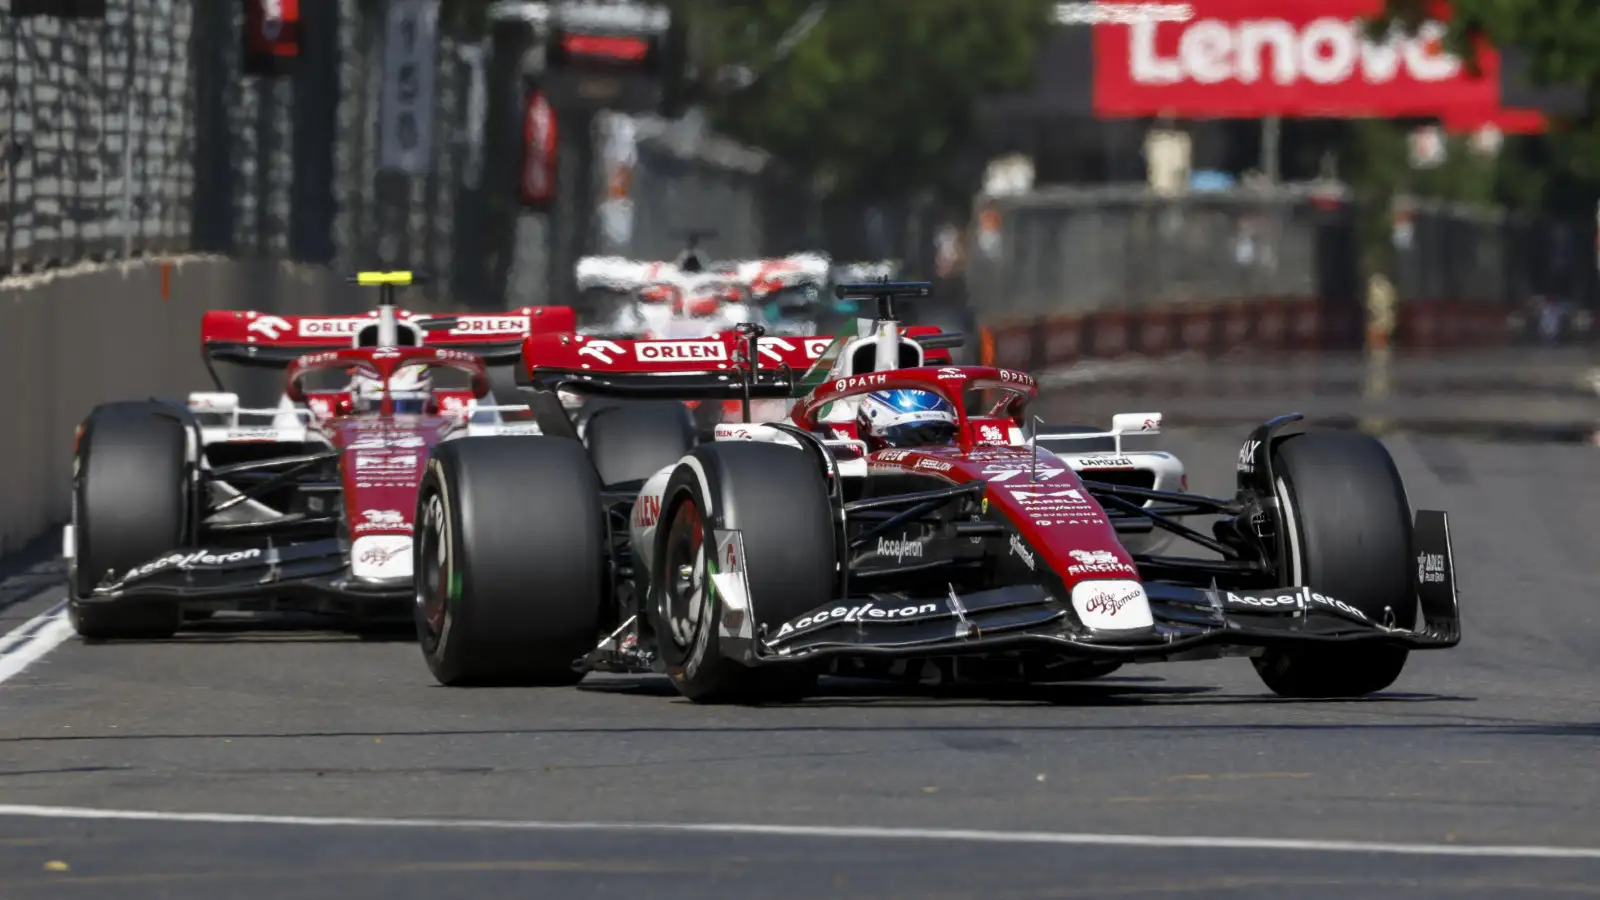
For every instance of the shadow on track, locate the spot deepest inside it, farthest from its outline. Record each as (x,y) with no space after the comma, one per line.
(290,628)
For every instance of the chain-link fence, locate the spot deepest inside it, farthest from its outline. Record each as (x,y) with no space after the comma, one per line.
(1073,251)
(140,133)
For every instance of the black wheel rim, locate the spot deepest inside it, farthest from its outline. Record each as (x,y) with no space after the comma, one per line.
(433,569)
(683,575)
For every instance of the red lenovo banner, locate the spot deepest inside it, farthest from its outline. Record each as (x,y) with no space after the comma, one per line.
(1298,58)
(539,149)
(271,35)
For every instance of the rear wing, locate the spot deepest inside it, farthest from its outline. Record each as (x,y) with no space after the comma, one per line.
(249,338)
(718,367)
(616,273)
(767,275)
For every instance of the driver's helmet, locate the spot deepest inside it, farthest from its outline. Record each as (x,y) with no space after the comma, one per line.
(410,386)
(906,419)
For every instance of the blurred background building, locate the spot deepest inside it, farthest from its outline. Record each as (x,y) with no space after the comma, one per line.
(1083,179)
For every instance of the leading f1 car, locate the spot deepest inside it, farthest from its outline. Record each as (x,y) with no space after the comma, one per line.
(906,522)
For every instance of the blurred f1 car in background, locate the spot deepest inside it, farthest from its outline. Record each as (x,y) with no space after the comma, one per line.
(743,567)
(182,509)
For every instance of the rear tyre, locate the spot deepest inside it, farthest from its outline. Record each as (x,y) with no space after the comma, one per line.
(633,441)
(130,504)
(510,561)
(1348,522)
(775,498)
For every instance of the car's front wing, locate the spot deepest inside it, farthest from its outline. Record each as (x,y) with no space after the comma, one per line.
(312,576)
(1188,623)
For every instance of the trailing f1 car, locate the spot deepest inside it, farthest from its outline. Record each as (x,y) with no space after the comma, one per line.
(883,530)
(189,508)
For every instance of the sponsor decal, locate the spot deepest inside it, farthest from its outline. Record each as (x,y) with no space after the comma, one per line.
(647,510)
(316,359)
(1109,603)
(932,464)
(679,351)
(379,555)
(602,350)
(1430,568)
(1112,605)
(1004,471)
(386,441)
(951,374)
(1265,600)
(1035,499)
(490,325)
(1022,551)
(863,613)
(1299,597)
(271,327)
(1250,58)
(814,347)
(369,462)
(1102,13)
(1015,377)
(860,381)
(457,355)
(321,407)
(1247,457)
(734,433)
(1315,599)
(1098,562)
(899,549)
(382,520)
(191,560)
(1107,462)
(992,433)
(331,327)
(237,435)
(893,455)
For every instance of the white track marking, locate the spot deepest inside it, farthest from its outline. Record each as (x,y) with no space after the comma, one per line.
(824,831)
(29,642)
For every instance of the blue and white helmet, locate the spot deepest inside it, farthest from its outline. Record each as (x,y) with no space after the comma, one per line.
(905,419)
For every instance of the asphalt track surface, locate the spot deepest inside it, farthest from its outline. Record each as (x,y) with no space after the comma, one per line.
(1225,790)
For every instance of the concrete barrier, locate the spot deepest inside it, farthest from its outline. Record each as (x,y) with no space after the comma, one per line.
(78,337)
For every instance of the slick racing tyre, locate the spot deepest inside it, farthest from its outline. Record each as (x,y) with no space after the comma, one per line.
(630,442)
(1348,525)
(774,499)
(510,561)
(130,504)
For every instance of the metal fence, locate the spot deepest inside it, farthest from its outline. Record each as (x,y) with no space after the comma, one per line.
(141,134)
(1070,251)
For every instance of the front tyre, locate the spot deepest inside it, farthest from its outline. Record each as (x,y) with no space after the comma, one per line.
(509,561)
(1348,527)
(775,498)
(130,504)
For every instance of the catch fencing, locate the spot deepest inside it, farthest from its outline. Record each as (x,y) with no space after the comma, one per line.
(1063,273)
(140,134)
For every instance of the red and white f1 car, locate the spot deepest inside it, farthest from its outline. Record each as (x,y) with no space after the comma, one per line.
(743,567)
(188,508)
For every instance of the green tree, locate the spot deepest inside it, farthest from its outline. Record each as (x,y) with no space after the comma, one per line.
(1562,41)
(878,97)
